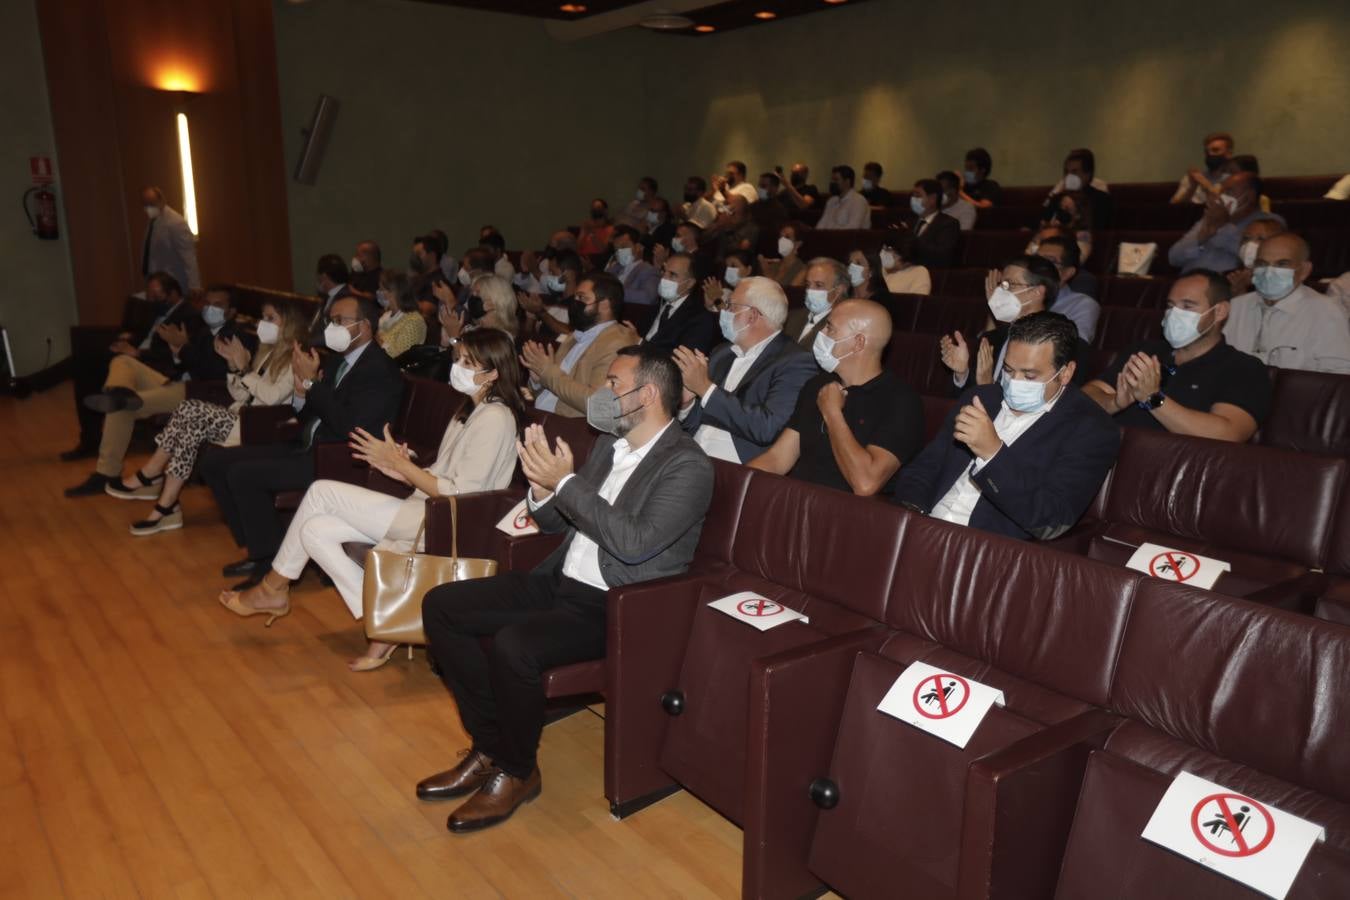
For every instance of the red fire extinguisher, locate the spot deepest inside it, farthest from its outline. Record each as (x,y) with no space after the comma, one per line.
(43,214)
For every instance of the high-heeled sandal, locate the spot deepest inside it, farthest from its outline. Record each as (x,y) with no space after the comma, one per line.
(371,663)
(231,601)
(147,489)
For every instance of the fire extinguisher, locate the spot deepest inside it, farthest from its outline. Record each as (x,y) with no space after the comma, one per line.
(43,216)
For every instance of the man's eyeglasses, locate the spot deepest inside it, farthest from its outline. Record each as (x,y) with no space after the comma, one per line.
(344,321)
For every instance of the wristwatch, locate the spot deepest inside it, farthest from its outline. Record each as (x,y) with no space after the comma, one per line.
(1153,402)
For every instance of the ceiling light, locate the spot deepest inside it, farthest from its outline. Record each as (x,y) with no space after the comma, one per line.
(704,29)
(835,2)
(765,15)
(666,22)
(572,8)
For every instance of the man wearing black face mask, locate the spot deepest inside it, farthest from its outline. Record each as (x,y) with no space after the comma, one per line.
(698,208)
(632,513)
(1197,185)
(567,375)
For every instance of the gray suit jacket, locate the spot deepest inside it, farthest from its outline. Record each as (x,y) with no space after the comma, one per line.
(652,527)
(173,249)
(760,407)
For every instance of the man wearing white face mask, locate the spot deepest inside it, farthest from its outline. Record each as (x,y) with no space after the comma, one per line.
(638,276)
(168,245)
(826,284)
(1284,322)
(1256,231)
(365,268)
(1214,241)
(936,234)
(787,269)
(682,320)
(738,400)
(634,214)
(1080,176)
(856,423)
(1193,382)
(1021,458)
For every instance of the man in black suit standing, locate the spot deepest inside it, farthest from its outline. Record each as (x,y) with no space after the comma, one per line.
(633,513)
(1023,457)
(330,278)
(360,388)
(682,320)
(936,234)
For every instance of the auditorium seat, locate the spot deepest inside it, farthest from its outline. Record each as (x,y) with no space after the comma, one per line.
(1129,290)
(1301,214)
(918,362)
(1106,247)
(1023,195)
(1298,187)
(1329,249)
(965,283)
(1142,193)
(839,244)
(1008,217)
(903,309)
(1120,327)
(1148,216)
(991,249)
(1310,412)
(942,315)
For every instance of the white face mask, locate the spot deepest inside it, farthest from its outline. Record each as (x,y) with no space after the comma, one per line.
(1004,305)
(382,297)
(555,284)
(916,204)
(823,350)
(668,289)
(337,338)
(268,332)
(867,184)
(855,274)
(641,196)
(786,246)
(356,265)
(1181,327)
(763,194)
(1229,203)
(464,278)
(1073,182)
(1273,282)
(817,301)
(1027,396)
(653,218)
(624,256)
(1247,253)
(677,245)
(888,259)
(213,316)
(732,276)
(461,379)
(152,212)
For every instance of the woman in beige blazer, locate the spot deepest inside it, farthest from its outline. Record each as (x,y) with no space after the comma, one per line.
(477,453)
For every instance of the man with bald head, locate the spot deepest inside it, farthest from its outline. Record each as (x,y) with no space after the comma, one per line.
(1213,242)
(169,245)
(1283,322)
(737,400)
(856,423)
(365,269)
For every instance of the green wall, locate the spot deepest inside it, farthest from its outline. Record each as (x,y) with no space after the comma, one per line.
(457,118)
(37,296)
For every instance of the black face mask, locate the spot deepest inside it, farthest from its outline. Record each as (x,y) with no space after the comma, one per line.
(834,189)
(1063,217)
(597,214)
(1213,162)
(798,180)
(691,196)
(475,308)
(577,316)
(415,264)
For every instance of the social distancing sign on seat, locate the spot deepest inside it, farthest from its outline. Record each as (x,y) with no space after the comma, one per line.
(758,611)
(1235,835)
(1177,565)
(944,704)
(518,522)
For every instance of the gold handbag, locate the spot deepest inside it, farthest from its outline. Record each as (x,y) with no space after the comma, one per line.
(396,582)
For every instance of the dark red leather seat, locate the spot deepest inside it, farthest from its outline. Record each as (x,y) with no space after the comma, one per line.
(1159,215)
(1298,187)
(917,360)
(1143,293)
(839,244)
(991,249)
(962,283)
(942,315)
(1310,412)
(1121,327)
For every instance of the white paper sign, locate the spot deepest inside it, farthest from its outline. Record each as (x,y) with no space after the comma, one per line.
(1177,565)
(1232,834)
(941,703)
(758,611)
(518,521)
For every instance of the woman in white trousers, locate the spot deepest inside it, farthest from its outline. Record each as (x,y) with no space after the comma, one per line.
(477,453)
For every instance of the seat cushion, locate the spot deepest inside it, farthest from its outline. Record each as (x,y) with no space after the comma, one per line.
(577,678)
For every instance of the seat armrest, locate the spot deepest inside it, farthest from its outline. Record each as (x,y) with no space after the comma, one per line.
(267,424)
(796,700)
(1298,594)
(334,462)
(479,513)
(1020,803)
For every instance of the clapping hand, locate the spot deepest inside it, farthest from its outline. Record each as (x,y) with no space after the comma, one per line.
(712,292)
(543,468)
(1143,374)
(304,363)
(233,351)
(536,357)
(694,369)
(175,335)
(984,363)
(974,428)
(830,399)
(386,455)
(955,353)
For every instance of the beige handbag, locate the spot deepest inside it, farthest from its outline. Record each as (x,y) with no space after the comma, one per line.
(396,582)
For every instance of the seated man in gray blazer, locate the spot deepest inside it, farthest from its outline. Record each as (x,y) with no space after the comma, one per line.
(737,402)
(633,513)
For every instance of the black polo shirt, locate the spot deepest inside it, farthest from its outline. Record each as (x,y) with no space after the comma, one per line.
(885,412)
(984,190)
(1223,375)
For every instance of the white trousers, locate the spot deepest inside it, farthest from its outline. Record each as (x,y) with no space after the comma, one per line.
(331,514)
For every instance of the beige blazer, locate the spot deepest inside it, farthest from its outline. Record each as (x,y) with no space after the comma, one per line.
(259,387)
(589,372)
(478,454)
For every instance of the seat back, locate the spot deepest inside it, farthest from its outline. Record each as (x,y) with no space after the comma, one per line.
(1258,500)
(424,413)
(1143,293)
(918,361)
(943,315)
(991,249)
(731,483)
(1121,327)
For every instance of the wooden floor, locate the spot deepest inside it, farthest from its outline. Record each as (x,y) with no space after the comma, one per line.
(153,745)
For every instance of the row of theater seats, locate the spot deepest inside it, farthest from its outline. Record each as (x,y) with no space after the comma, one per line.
(1111,290)
(1114,684)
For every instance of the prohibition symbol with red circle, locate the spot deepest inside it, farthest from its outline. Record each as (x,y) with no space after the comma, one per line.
(1235,816)
(940,696)
(1174,565)
(758,607)
(522,521)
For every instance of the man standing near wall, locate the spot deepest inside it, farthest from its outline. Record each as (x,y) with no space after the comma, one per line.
(169,245)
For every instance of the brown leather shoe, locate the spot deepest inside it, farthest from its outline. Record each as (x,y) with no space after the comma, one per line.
(473,770)
(495,801)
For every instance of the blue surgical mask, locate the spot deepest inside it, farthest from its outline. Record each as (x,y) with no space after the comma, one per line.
(1273,282)
(213,316)
(624,256)
(969,177)
(1026,396)
(554,283)
(726,320)
(823,350)
(1181,327)
(817,301)
(916,204)
(677,245)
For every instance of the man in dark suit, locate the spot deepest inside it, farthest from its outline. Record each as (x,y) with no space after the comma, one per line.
(632,513)
(366,268)
(681,320)
(936,234)
(330,278)
(738,401)
(90,365)
(1023,457)
(360,387)
(826,286)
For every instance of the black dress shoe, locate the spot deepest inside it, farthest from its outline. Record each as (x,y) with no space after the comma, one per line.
(114,399)
(79,452)
(92,485)
(244,568)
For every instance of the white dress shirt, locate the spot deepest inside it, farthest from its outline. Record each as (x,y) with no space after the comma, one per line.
(812,320)
(547,400)
(669,308)
(847,211)
(582,562)
(717,442)
(960,501)
(1305,330)
(700,212)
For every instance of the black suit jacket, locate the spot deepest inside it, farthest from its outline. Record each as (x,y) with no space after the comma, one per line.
(998,336)
(368,396)
(936,245)
(158,355)
(199,359)
(320,320)
(692,326)
(1039,486)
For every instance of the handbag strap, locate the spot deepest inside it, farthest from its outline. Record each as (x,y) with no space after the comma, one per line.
(454,531)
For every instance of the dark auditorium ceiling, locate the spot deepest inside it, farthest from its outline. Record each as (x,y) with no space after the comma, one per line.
(708,19)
